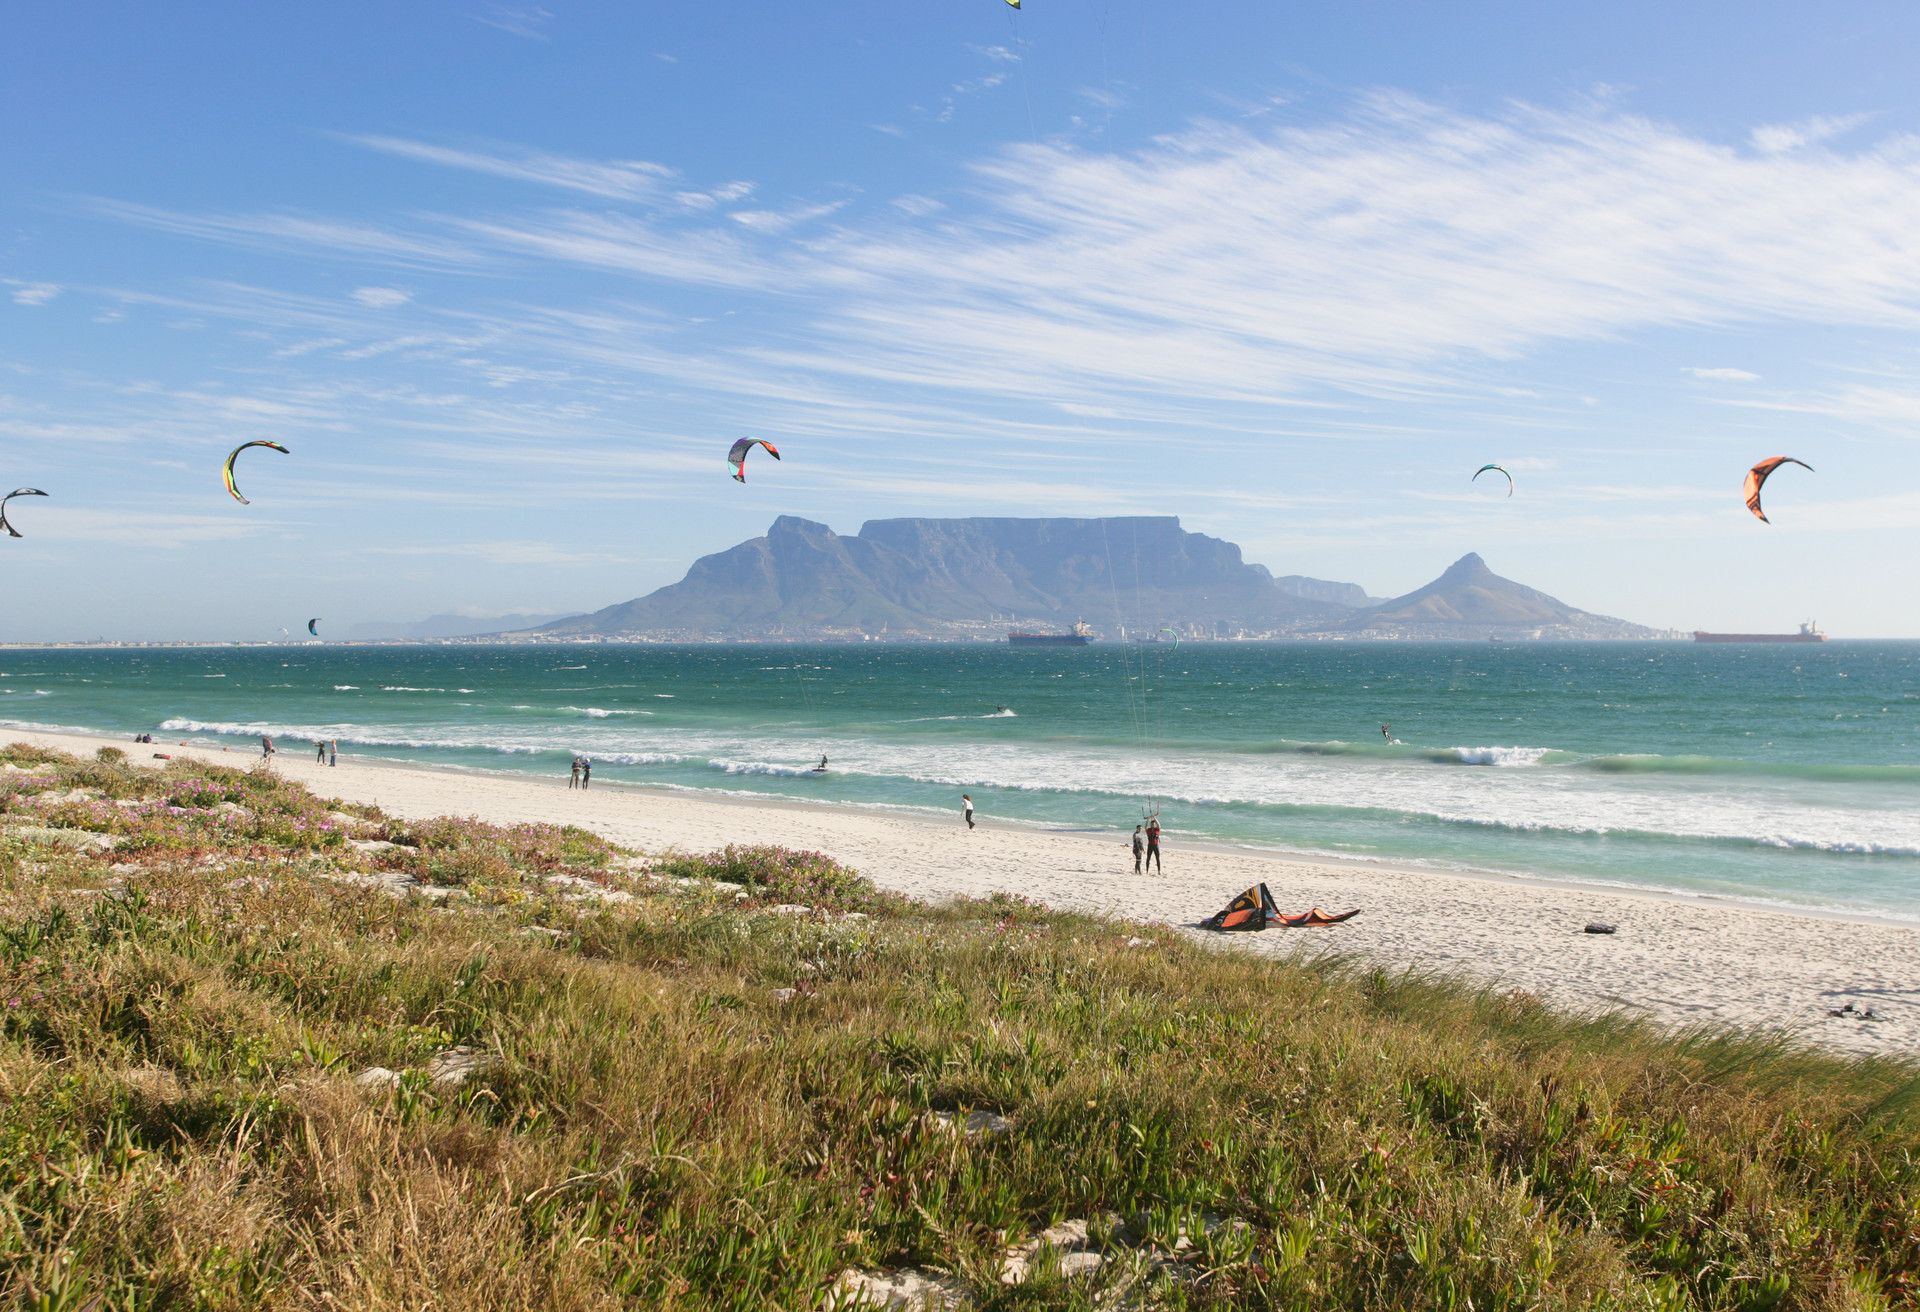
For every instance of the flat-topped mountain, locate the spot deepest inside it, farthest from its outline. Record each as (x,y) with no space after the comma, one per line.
(1130,576)
(951,577)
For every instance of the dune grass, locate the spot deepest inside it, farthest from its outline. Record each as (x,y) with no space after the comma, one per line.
(690,1100)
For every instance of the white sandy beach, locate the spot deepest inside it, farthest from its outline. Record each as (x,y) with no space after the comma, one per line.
(1681,960)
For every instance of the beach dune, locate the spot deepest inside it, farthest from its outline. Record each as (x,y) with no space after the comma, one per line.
(1680,960)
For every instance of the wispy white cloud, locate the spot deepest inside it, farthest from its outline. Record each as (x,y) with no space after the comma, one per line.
(381,298)
(519,20)
(1775,138)
(616,179)
(1723,375)
(31,293)
(296,233)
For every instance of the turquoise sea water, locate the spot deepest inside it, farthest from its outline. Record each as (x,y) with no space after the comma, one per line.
(1787,774)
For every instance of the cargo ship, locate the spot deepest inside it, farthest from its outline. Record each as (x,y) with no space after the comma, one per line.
(1082,635)
(1809,632)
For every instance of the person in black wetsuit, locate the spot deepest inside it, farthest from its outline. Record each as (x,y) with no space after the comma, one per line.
(1139,847)
(1153,844)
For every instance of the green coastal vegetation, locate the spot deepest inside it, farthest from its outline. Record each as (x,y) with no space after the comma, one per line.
(265,1050)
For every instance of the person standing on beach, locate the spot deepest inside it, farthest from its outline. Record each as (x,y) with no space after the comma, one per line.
(266,748)
(320,752)
(1139,847)
(333,753)
(966,808)
(1153,844)
(586,771)
(574,782)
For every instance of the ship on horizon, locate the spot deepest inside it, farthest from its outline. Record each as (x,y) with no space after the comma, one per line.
(1082,635)
(1809,632)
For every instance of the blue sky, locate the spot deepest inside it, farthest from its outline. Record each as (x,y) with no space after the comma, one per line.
(507,279)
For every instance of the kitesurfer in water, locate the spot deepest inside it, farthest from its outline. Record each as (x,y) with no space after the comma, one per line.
(1386,731)
(822,767)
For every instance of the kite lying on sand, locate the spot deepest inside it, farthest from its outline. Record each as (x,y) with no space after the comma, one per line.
(1757,477)
(13,532)
(1255,909)
(226,471)
(737,457)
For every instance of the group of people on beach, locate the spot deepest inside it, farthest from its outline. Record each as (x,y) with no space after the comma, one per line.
(1146,837)
(1146,845)
(582,772)
(326,753)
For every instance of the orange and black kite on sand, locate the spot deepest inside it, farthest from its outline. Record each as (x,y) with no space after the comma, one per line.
(1255,909)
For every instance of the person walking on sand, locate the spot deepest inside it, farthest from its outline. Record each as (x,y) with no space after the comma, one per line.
(966,808)
(1153,844)
(1139,847)
(586,771)
(266,748)
(574,782)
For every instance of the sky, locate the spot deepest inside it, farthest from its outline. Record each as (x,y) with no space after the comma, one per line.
(507,279)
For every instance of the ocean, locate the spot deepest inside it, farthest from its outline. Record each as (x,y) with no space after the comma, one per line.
(1779,775)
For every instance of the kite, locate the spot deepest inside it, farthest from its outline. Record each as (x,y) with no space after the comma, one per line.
(1484,468)
(1176,638)
(227,471)
(311,627)
(1758,475)
(1014,3)
(1255,909)
(13,532)
(1251,910)
(737,457)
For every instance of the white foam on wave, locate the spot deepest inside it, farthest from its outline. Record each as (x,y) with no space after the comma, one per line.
(346,687)
(598,713)
(357,734)
(1500,756)
(758,767)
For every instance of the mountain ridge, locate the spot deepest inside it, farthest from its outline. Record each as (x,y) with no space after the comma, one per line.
(1129,576)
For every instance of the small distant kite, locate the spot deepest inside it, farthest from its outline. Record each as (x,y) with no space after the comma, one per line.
(1014,3)
(737,457)
(313,627)
(13,532)
(1176,638)
(1757,476)
(227,471)
(1484,468)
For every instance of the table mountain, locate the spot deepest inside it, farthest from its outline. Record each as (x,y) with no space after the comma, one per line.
(955,577)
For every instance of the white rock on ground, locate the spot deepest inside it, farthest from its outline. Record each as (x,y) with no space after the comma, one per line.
(452,1068)
(377,1077)
(74,840)
(909,1290)
(976,1124)
(1068,1240)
